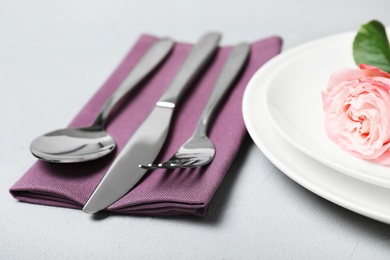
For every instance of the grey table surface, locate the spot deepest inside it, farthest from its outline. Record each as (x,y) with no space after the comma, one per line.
(53,57)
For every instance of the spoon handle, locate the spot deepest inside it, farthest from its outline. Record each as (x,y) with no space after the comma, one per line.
(234,64)
(148,62)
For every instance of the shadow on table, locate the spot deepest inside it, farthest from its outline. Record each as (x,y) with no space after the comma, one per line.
(221,198)
(357,221)
(370,227)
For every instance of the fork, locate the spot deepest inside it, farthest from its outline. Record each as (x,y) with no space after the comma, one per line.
(199,149)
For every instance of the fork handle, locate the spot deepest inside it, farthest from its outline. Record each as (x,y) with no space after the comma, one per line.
(233,66)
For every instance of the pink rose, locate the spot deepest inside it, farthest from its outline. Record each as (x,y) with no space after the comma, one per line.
(357,112)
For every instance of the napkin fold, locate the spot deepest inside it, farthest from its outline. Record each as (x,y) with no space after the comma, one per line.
(160,192)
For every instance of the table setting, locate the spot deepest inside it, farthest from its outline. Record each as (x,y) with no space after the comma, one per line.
(54,181)
(210,134)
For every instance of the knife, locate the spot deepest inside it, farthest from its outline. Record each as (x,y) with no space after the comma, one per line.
(144,146)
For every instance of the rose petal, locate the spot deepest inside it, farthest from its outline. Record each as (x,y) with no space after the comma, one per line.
(357,108)
(372,71)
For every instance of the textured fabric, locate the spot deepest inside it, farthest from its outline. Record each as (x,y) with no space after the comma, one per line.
(161,192)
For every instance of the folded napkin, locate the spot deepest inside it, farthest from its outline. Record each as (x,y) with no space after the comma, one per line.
(161,192)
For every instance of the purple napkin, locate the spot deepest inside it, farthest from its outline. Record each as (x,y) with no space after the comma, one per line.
(161,192)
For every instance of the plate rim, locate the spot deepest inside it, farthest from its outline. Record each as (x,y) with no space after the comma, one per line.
(353,172)
(250,124)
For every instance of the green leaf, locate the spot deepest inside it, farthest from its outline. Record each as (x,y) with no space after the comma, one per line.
(371,46)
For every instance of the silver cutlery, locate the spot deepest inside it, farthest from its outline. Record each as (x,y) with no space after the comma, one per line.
(70,145)
(148,139)
(199,149)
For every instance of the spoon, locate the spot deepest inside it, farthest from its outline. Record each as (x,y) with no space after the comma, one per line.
(70,145)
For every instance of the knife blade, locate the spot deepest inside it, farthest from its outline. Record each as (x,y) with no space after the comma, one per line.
(144,146)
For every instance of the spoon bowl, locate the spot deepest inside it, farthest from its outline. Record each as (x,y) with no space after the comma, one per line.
(73,145)
(70,145)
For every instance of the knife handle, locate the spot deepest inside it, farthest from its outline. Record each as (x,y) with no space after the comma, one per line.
(199,56)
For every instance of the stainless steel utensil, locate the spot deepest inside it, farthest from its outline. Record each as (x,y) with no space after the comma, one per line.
(147,141)
(71,145)
(199,149)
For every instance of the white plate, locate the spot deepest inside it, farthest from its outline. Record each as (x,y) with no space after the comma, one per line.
(293,101)
(359,196)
